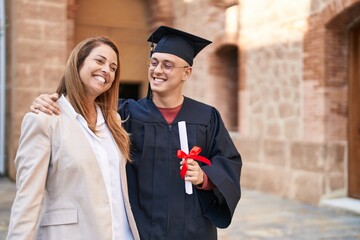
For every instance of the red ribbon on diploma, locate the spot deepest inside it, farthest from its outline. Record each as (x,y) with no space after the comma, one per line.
(194,154)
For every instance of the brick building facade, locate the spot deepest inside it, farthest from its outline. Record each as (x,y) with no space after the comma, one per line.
(284,75)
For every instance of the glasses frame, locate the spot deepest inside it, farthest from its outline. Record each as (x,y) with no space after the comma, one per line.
(164,69)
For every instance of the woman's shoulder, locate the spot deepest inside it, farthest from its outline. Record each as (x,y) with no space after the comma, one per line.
(40,121)
(37,117)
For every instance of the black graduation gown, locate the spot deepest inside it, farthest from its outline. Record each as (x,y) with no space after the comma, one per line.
(161,207)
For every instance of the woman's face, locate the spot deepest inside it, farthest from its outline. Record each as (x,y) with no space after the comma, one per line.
(98,70)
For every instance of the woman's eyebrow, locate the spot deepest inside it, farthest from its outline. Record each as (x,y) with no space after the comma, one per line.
(105,59)
(101,56)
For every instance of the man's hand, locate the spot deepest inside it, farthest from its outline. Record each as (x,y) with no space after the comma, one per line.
(46,103)
(194,174)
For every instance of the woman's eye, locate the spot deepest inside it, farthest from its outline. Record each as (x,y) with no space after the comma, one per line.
(99,60)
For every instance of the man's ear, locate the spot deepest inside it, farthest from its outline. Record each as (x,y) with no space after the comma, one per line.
(187,73)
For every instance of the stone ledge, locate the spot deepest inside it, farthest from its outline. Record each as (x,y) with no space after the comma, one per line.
(347,204)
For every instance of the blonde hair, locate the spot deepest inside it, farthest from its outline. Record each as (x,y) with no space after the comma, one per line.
(73,87)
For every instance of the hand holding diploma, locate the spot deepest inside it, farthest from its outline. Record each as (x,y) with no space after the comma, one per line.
(194,173)
(190,169)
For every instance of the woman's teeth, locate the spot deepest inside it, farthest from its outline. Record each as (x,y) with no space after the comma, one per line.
(100,79)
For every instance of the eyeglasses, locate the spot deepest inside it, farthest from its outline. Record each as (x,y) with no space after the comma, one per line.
(165,66)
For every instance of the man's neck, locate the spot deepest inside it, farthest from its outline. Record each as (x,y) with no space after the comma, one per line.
(167,101)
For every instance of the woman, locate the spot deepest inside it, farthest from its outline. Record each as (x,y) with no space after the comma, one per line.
(71,181)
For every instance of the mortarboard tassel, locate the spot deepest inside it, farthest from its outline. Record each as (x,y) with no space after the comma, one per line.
(151,49)
(149,93)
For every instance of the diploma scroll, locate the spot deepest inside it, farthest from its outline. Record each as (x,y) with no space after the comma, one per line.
(185,148)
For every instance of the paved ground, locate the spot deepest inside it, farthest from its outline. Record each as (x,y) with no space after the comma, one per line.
(258,216)
(7,194)
(264,216)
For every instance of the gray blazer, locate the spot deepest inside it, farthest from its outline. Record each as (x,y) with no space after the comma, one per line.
(61,193)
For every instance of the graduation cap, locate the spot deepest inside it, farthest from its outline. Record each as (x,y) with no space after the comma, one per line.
(179,43)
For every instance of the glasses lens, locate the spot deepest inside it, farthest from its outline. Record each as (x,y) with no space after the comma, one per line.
(165,66)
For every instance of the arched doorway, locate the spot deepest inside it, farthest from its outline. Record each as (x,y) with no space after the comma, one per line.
(125,22)
(333,39)
(2,87)
(227,87)
(354,112)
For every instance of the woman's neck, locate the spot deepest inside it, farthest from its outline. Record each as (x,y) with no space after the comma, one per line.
(91,110)
(92,114)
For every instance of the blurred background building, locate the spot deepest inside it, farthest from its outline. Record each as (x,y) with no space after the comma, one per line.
(284,75)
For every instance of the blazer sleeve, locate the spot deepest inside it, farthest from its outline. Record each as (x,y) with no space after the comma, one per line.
(31,162)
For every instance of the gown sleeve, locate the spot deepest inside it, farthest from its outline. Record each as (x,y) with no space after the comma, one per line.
(219,204)
(122,108)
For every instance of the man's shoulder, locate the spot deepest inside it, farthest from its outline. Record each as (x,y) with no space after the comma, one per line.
(198,112)
(195,104)
(138,109)
(123,101)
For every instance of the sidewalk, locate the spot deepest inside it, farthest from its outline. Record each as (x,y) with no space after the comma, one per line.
(7,195)
(264,216)
(258,216)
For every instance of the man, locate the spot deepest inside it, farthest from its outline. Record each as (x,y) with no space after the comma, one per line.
(160,205)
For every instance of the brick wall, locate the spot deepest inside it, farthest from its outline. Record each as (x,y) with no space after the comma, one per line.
(295,64)
(37,50)
(292,89)
(292,86)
